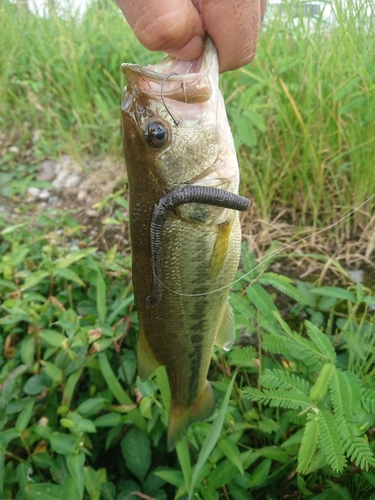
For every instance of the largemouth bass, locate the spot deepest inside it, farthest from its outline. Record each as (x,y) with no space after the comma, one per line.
(185,232)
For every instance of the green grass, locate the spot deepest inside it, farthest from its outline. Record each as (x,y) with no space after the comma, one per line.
(302,113)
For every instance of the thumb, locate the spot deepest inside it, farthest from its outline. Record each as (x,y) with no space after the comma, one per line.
(173,26)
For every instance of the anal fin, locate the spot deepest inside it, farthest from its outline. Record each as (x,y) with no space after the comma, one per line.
(226,334)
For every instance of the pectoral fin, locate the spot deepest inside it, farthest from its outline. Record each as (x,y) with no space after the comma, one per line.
(147,363)
(227,330)
(221,246)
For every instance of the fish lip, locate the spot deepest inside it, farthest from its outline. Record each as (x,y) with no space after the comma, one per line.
(198,83)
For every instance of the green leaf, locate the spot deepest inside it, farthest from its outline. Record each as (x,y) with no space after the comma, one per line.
(222,474)
(321,341)
(111,379)
(65,444)
(24,417)
(70,385)
(54,338)
(34,279)
(260,474)
(171,476)
(261,300)
(320,388)
(284,285)
(275,344)
(91,406)
(231,451)
(35,385)
(281,379)
(3,446)
(237,493)
(212,436)
(360,452)
(184,460)
(329,441)
(69,489)
(101,296)
(69,275)
(340,391)
(308,444)
(335,292)
(278,398)
(53,371)
(242,357)
(43,491)
(75,464)
(108,420)
(368,400)
(136,450)
(70,259)
(92,483)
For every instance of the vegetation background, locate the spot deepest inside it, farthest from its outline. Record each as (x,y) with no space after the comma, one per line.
(296,398)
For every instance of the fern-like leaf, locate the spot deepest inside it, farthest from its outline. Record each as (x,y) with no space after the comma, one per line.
(276,344)
(368,400)
(299,347)
(308,444)
(278,398)
(249,262)
(242,357)
(281,379)
(360,452)
(356,390)
(243,312)
(342,404)
(320,388)
(305,350)
(321,341)
(261,300)
(329,441)
(284,285)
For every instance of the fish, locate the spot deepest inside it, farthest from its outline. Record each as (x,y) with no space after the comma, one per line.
(185,232)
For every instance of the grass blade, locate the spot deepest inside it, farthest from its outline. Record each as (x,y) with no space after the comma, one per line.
(212,437)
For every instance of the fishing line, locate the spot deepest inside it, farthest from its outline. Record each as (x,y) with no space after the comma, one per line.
(273,254)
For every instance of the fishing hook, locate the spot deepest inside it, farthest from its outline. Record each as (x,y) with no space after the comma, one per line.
(180,196)
(162,97)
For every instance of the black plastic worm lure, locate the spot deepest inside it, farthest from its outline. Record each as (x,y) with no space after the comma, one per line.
(180,196)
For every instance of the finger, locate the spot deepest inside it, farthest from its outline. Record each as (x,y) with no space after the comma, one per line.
(173,26)
(234,28)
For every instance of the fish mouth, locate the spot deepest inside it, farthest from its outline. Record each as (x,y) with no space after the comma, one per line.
(187,81)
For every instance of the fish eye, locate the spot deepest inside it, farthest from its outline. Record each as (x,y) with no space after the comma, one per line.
(157,133)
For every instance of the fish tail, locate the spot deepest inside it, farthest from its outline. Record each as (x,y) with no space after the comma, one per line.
(180,418)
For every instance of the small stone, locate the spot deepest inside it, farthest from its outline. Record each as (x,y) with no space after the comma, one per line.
(53,200)
(356,275)
(44,194)
(82,195)
(47,171)
(14,149)
(92,213)
(33,193)
(73,180)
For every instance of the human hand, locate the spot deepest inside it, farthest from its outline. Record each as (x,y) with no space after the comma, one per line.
(178,27)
